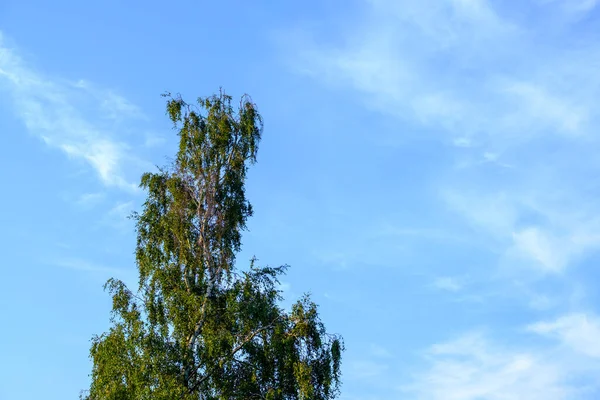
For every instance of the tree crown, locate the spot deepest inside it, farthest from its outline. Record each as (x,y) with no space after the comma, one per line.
(197,328)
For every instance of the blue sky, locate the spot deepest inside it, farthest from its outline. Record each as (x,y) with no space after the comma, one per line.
(429,169)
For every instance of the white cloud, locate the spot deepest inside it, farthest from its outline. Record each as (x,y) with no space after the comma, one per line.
(581,5)
(573,7)
(495,213)
(559,236)
(451,64)
(154,140)
(462,142)
(117,216)
(552,252)
(539,301)
(86,266)
(114,106)
(365,370)
(394,55)
(121,210)
(379,351)
(96,270)
(89,199)
(535,244)
(473,368)
(505,93)
(489,156)
(579,331)
(450,284)
(537,109)
(65,116)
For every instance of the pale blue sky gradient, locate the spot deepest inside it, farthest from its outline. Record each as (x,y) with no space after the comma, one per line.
(429,169)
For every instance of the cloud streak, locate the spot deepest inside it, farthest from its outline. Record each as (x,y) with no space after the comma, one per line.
(579,331)
(73,117)
(520,111)
(514,104)
(86,266)
(472,367)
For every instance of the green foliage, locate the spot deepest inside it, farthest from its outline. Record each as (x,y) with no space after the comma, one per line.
(197,328)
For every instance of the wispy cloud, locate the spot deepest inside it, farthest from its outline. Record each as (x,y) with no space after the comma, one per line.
(86,266)
(539,109)
(379,351)
(572,8)
(154,140)
(90,199)
(117,217)
(547,228)
(95,270)
(520,111)
(113,105)
(365,370)
(514,104)
(451,284)
(74,117)
(472,367)
(579,331)
(451,65)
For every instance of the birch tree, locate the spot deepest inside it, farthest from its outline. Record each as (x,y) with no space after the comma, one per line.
(196,327)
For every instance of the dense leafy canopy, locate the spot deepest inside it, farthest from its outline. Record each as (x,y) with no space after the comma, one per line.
(197,328)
